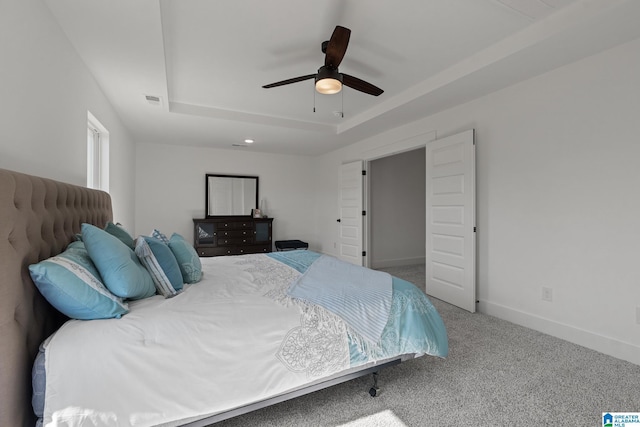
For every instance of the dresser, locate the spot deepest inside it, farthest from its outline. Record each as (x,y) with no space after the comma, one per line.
(232,235)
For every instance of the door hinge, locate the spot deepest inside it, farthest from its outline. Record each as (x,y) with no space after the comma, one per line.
(364,213)
(474,229)
(364,253)
(364,173)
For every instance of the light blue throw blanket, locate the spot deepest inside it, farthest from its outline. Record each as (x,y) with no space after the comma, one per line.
(360,296)
(414,325)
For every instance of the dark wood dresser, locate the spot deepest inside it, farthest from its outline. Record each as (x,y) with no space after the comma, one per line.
(231,235)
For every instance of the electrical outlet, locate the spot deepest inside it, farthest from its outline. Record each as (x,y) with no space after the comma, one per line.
(547,294)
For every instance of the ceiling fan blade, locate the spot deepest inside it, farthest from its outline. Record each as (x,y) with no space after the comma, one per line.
(337,46)
(361,85)
(289,81)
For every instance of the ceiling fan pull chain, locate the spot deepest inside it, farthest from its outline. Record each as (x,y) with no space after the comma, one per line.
(342,106)
(314,99)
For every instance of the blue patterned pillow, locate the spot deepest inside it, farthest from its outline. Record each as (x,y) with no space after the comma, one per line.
(78,244)
(161,264)
(187,257)
(72,284)
(160,236)
(118,265)
(120,233)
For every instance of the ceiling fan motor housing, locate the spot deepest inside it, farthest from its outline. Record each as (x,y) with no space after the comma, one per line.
(326,72)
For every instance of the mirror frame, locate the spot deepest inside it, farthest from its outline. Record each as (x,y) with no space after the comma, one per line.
(206,200)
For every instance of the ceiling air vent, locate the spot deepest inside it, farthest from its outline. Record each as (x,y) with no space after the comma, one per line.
(153,100)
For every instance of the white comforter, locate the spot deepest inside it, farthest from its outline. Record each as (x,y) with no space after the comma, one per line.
(232,339)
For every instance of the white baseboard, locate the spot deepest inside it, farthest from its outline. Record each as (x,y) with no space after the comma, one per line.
(385,263)
(610,346)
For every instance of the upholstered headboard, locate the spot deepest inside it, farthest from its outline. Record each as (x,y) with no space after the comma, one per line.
(38,218)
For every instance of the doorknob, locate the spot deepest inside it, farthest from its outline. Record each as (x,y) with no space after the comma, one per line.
(338,220)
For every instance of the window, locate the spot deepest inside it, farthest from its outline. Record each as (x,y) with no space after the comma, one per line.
(97,154)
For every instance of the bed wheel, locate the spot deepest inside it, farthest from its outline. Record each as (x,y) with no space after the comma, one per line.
(373,391)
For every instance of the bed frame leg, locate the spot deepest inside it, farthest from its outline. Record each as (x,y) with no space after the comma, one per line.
(373,391)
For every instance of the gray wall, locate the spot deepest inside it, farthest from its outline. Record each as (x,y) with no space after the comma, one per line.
(397,209)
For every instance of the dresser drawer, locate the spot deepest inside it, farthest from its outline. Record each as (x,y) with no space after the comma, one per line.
(220,251)
(261,248)
(205,252)
(234,225)
(233,250)
(227,241)
(224,225)
(234,233)
(243,225)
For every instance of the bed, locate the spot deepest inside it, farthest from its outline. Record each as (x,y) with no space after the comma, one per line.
(252,332)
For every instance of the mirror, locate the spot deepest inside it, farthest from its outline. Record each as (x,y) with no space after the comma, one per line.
(231,195)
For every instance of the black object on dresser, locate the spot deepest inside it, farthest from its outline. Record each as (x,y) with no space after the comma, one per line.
(234,235)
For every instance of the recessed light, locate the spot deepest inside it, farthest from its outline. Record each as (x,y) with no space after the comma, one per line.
(249,141)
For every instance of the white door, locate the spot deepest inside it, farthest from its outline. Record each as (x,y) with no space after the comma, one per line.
(350,221)
(450,240)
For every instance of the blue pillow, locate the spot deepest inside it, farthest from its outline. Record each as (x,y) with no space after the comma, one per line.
(159,261)
(72,284)
(118,265)
(187,257)
(120,233)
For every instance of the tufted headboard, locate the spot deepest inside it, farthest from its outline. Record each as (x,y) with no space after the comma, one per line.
(38,218)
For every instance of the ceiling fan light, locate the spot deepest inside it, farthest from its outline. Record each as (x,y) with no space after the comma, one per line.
(328,86)
(328,81)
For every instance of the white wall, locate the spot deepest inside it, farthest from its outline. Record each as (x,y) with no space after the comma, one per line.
(397,208)
(170,184)
(558,178)
(45,92)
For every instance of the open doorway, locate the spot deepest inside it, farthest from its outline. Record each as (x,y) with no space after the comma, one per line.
(437,193)
(396,214)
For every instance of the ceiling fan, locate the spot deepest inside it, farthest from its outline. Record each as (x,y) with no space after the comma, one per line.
(328,79)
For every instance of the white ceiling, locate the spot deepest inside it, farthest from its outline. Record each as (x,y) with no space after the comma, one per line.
(208,60)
